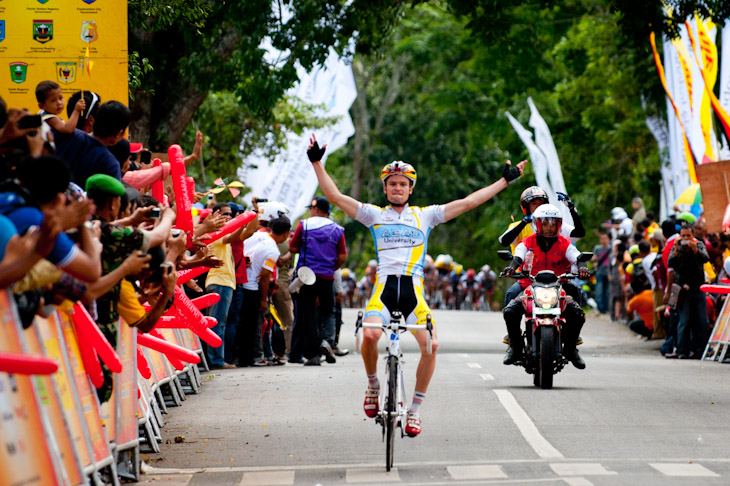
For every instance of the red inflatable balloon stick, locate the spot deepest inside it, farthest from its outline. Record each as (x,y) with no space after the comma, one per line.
(167,348)
(142,365)
(86,326)
(90,361)
(158,187)
(211,322)
(180,187)
(190,184)
(184,276)
(231,226)
(176,363)
(194,320)
(206,300)
(27,364)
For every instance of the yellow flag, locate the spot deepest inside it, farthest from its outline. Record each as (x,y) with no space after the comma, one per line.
(87,60)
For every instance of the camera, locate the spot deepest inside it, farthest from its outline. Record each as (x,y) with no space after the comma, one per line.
(176,232)
(145,156)
(74,192)
(155,213)
(211,197)
(684,242)
(30,121)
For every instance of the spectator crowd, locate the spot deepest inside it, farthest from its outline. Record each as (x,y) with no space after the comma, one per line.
(648,275)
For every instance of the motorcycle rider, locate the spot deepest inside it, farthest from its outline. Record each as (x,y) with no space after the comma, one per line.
(550,251)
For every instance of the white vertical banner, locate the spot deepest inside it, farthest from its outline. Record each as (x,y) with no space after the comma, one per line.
(724,77)
(677,86)
(289,178)
(660,130)
(694,125)
(544,141)
(537,158)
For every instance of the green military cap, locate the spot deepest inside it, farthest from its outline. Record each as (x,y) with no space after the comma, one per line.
(104,183)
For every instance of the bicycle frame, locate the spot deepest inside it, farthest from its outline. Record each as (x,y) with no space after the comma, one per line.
(390,417)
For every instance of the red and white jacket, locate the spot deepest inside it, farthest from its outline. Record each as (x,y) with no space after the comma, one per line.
(561,256)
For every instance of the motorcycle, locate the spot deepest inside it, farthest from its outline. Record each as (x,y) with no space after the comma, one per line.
(544,302)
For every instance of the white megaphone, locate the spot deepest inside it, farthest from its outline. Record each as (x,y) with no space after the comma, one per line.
(305,276)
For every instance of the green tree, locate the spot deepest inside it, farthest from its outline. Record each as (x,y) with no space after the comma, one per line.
(185,49)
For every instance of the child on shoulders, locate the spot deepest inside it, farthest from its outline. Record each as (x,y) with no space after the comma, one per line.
(51,102)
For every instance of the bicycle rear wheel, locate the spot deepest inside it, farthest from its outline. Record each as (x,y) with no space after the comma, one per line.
(391,409)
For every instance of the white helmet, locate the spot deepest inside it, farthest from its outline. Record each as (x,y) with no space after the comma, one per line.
(547,212)
(618,213)
(272,210)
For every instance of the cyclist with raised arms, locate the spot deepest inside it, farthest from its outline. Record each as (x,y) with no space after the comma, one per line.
(400,232)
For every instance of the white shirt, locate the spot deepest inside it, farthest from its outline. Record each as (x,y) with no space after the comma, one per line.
(263,252)
(401,239)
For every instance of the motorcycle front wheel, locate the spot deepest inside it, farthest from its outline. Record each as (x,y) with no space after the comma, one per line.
(546,357)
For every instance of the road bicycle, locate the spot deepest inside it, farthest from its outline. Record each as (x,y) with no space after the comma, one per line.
(393,409)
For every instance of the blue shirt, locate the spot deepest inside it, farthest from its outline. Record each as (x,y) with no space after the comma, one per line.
(64,250)
(7,230)
(85,156)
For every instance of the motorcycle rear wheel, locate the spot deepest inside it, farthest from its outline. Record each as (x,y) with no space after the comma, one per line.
(546,357)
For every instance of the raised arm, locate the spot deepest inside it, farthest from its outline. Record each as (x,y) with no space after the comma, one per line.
(348,204)
(476,198)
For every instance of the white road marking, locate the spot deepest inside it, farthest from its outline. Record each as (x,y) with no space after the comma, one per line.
(577,481)
(486,377)
(580,469)
(684,469)
(476,472)
(372,476)
(171,480)
(268,478)
(527,428)
(474,365)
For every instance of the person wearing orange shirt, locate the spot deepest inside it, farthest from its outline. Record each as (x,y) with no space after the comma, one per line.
(642,304)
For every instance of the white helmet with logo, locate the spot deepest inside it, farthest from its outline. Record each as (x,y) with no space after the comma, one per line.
(272,210)
(547,212)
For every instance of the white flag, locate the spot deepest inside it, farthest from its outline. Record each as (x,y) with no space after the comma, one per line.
(290,178)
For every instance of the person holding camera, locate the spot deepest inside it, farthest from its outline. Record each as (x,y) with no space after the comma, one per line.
(687,258)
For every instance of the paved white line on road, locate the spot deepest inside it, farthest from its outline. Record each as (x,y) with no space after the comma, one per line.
(684,469)
(372,476)
(486,377)
(527,428)
(173,480)
(268,478)
(474,365)
(476,472)
(577,481)
(580,469)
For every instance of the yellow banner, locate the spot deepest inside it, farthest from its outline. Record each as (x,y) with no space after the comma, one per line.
(59,40)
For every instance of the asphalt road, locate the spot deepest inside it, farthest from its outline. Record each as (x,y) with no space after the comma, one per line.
(631,417)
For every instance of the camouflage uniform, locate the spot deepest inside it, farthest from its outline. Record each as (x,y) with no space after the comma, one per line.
(118,243)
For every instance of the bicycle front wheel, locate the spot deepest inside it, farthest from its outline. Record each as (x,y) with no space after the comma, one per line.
(391,408)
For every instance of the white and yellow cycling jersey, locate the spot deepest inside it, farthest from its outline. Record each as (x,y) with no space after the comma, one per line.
(400,238)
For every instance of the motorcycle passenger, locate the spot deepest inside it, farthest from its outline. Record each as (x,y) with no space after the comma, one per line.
(532,198)
(551,251)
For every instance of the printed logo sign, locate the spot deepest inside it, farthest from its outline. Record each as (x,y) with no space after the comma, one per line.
(42,1)
(18,71)
(88,31)
(89,1)
(42,30)
(2,30)
(66,72)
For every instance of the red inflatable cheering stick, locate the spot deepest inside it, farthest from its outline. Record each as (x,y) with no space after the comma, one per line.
(167,348)
(158,187)
(27,364)
(142,365)
(231,226)
(194,320)
(90,335)
(180,186)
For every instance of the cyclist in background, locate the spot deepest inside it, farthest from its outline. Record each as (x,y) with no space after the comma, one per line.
(487,278)
(400,232)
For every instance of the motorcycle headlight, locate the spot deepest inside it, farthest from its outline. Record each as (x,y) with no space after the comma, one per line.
(546,297)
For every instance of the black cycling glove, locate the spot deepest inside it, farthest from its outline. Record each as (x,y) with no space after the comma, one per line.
(315,153)
(510,173)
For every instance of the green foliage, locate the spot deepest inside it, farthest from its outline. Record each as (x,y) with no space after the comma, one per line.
(459,74)
(230,133)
